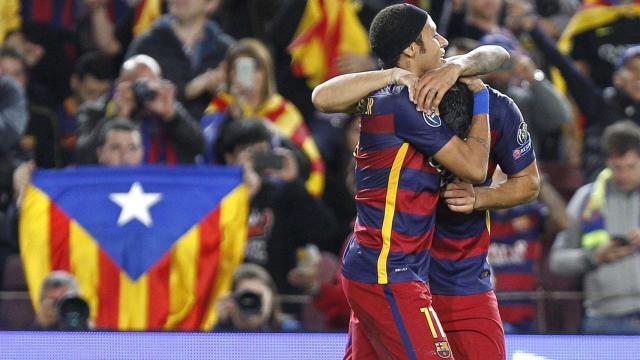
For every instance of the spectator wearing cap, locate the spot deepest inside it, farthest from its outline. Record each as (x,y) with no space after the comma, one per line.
(189,47)
(543,107)
(600,106)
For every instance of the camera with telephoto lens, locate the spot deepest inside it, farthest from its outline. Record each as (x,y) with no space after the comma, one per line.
(73,313)
(143,93)
(248,302)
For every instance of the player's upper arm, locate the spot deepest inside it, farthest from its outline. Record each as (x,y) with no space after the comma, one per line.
(513,150)
(428,134)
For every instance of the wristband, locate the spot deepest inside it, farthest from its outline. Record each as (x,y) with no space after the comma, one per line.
(481,102)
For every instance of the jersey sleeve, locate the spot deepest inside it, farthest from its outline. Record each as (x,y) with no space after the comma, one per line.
(513,151)
(427,133)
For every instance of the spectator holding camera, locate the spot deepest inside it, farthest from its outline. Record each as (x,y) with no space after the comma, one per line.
(169,133)
(189,48)
(603,243)
(252,92)
(283,216)
(253,304)
(61,307)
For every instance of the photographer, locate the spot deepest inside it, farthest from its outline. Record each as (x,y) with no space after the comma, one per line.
(169,133)
(283,216)
(253,304)
(61,307)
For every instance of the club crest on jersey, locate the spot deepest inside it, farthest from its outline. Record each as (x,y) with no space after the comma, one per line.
(365,106)
(431,119)
(443,349)
(523,134)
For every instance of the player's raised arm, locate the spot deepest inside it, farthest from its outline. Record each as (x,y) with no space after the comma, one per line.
(432,86)
(342,93)
(469,159)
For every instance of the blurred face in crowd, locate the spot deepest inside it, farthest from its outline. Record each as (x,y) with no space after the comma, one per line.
(431,54)
(247,80)
(89,88)
(484,9)
(187,10)
(122,147)
(48,314)
(254,321)
(626,170)
(628,78)
(14,68)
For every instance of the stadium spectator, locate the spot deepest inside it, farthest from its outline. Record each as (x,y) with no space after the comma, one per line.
(252,93)
(600,107)
(597,35)
(52,135)
(283,215)
(543,107)
(57,286)
(120,143)
(602,244)
(189,49)
(253,304)
(170,135)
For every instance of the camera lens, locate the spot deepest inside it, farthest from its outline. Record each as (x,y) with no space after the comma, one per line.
(249,303)
(74,313)
(142,92)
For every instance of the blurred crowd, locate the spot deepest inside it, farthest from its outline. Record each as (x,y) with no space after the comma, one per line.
(127,82)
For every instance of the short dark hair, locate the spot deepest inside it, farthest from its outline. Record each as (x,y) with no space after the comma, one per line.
(393,62)
(240,133)
(393,29)
(620,138)
(456,109)
(94,64)
(117,123)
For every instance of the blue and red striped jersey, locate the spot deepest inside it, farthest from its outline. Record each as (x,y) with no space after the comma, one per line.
(515,245)
(459,252)
(396,190)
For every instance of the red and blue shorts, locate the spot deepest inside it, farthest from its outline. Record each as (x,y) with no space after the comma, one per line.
(393,321)
(472,324)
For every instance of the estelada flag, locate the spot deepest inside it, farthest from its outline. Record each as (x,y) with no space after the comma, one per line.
(327,29)
(152,247)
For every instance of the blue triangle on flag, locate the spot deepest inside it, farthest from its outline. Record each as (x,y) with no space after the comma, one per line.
(175,197)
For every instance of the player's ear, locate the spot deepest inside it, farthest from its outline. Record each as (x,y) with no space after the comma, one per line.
(410,50)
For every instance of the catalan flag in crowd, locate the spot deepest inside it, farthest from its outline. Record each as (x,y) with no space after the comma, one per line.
(327,29)
(9,19)
(151,247)
(286,118)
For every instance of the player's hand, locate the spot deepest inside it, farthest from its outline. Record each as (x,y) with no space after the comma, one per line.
(434,84)
(611,252)
(460,197)
(403,77)
(473,83)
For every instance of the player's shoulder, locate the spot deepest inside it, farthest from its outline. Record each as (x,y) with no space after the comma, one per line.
(384,100)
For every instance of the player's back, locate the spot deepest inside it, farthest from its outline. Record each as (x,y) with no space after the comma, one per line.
(461,242)
(396,190)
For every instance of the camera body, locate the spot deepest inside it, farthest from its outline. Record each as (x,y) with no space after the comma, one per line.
(248,302)
(264,160)
(142,92)
(73,313)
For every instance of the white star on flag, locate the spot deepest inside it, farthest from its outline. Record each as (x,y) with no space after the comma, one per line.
(135,204)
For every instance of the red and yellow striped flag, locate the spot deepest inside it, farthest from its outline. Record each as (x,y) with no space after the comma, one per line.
(151,247)
(327,29)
